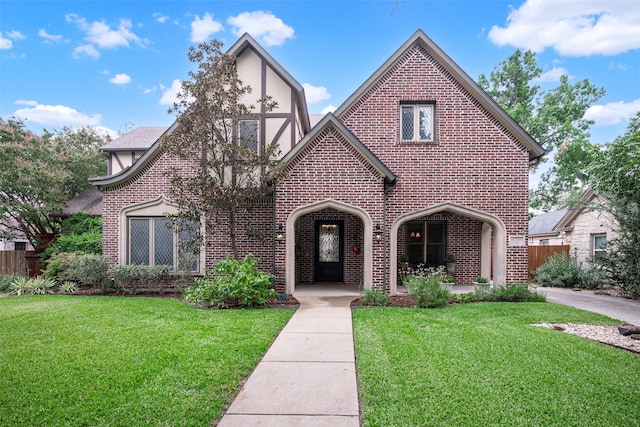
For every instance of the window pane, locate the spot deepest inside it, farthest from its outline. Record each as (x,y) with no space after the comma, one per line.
(188,250)
(139,241)
(599,242)
(407,123)
(329,244)
(426,123)
(163,242)
(248,134)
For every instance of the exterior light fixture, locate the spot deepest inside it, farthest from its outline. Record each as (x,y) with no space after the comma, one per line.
(279,234)
(377,233)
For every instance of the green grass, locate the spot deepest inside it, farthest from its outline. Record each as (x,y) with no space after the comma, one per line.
(485,365)
(110,361)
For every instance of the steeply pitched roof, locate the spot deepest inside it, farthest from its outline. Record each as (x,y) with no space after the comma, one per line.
(245,42)
(419,37)
(546,223)
(139,139)
(331,120)
(89,201)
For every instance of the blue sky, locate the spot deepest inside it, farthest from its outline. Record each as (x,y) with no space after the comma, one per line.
(116,64)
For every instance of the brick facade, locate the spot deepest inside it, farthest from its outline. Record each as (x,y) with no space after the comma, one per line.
(354,168)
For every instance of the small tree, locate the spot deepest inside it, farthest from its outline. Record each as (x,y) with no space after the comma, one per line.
(40,174)
(214,136)
(615,177)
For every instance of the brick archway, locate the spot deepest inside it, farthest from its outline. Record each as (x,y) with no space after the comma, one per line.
(499,239)
(290,267)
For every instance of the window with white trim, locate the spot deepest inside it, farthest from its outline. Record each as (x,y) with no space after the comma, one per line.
(599,244)
(248,134)
(155,241)
(417,123)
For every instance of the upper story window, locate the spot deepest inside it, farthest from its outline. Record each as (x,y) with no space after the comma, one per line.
(417,122)
(248,134)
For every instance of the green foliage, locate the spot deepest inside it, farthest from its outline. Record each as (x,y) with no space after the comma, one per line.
(19,286)
(23,285)
(233,283)
(57,267)
(39,174)
(80,233)
(615,178)
(465,298)
(133,278)
(6,280)
(373,296)
(515,292)
(68,288)
(560,270)
(428,292)
(91,270)
(481,280)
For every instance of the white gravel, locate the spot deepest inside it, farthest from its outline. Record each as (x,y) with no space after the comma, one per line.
(604,334)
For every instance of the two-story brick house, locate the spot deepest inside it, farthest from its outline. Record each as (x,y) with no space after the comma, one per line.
(419,162)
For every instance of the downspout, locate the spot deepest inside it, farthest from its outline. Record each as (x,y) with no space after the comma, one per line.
(273,238)
(386,285)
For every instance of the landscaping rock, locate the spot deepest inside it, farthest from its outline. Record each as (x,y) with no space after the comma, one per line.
(635,337)
(627,329)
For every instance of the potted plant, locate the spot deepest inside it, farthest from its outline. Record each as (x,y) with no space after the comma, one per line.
(448,281)
(450,260)
(481,285)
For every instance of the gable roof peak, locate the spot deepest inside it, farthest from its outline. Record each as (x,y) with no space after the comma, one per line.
(420,38)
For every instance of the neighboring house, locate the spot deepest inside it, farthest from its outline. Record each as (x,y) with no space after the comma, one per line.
(585,230)
(418,162)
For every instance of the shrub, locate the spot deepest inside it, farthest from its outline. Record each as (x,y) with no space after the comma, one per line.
(428,292)
(465,298)
(68,288)
(133,278)
(5,282)
(233,283)
(41,286)
(374,296)
(19,286)
(91,270)
(57,267)
(516,292)
(80,233)
(560,270)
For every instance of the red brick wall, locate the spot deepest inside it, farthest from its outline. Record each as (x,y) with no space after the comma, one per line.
(473,162)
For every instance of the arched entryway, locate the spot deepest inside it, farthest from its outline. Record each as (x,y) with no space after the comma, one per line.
(487,224)
(304,213)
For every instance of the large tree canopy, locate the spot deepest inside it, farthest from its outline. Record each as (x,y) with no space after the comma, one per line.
(554,118)
(215,135)
(40,174)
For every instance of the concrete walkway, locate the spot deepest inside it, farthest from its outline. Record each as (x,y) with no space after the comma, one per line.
(308,376)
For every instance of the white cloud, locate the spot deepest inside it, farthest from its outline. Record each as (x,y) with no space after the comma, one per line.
(26,102)
(5,43)
(553,75)
(49,37)
(170,94)
(86,49)
(613,112)
(264,26)
(315,94)
(56,115)
(328,109)
(572,27)
(120,79)
(15,35)
(104,131)
(159,17)
(201,29)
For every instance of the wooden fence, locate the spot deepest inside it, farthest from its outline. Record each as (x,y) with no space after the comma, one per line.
(19,262)
(539,254)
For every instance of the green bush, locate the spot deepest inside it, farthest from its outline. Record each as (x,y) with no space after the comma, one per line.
(80,233)
(6,280)
(133,278)
(57,267)
(374,296)
(233,283)
(19,286)
(22,285)
(516,292)
(428,292)
(91,270)
(560,270)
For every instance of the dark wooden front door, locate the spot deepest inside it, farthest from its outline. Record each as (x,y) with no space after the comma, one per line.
(329,262)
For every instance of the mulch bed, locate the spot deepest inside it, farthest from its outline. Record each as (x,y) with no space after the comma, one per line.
(394,301)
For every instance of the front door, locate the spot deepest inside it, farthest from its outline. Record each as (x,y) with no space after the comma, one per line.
(329,262)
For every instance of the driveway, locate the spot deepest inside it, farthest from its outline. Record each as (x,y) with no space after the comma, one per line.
(623,309)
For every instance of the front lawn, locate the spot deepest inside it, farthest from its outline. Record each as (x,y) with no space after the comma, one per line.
(485,365)
(111,361)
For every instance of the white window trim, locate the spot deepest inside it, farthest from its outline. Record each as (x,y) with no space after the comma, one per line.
(416,121)
(594,249)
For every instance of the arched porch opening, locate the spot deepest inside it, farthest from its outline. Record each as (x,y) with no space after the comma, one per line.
(481,237)
(300,231)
